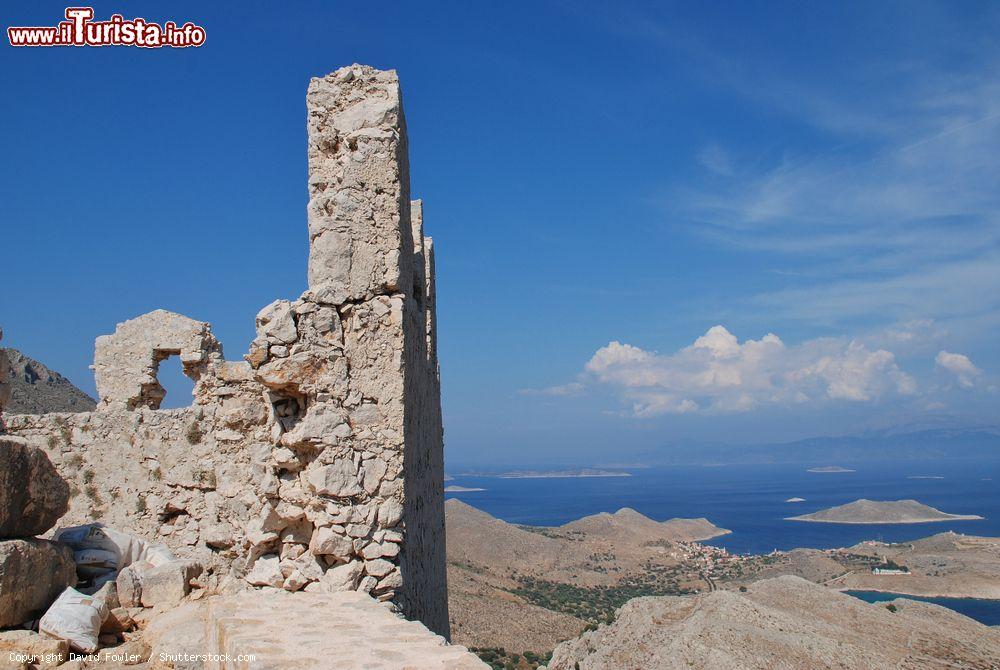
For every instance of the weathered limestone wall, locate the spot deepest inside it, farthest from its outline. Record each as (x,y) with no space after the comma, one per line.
(192,478)
(317,464)
(423,565)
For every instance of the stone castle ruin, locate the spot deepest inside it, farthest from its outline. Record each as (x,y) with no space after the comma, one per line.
(317,463)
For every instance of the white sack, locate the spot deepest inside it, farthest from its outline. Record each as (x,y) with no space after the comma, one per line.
(75,618)
(128,549)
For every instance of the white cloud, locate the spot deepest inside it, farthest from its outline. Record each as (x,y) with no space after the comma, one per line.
(960,366)
(719,374)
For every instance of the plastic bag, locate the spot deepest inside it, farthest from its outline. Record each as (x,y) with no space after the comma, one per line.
(126,549)
(95,562)
(155,554)
(76,618)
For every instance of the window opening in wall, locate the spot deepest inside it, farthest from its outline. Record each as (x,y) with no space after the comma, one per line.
(179,387)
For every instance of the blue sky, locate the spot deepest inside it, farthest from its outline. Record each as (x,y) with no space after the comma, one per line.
(607,185)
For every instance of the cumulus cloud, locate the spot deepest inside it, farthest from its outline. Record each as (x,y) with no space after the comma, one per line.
(960,366)
(719,374)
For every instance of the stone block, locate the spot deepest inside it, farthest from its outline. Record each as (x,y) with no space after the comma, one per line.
(32,575)
(119,620)
(167,584)
(128,586)
(343,577)
(378,567)
(339,479)
(266,571)
(32,493)
(327,542)
(42,651)
(390,513)
(276,322)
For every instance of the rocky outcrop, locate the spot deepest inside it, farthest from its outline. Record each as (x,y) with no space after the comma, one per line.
(4,383)
(32,498)
(780,623)
(33,573)
(36,389)
(32,493)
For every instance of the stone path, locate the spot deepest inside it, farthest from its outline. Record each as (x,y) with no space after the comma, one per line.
(345,630)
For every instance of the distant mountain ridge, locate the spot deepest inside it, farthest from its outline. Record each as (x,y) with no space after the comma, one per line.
(882,445)
(35,389)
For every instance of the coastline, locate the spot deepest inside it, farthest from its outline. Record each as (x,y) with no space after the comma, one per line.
(722,531)
(961,595)
(562,476)
(950,517)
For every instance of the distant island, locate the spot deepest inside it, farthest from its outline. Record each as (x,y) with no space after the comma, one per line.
(623,466)
(794,500)
(542,474)
(460,489)
(829,468)
(881,512)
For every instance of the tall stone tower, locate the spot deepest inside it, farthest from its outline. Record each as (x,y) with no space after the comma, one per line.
(366,383)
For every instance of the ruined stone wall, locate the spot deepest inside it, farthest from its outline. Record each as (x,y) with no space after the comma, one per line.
(317,464)
(423,566)
(191,478)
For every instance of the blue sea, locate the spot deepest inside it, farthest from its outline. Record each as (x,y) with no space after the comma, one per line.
(984,611)
(750,499)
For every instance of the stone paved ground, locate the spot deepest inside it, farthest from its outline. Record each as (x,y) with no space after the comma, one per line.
(346,630)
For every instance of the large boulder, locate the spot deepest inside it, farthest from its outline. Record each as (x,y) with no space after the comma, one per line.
(167,584)
(41,651)
(32,493)
(33,573)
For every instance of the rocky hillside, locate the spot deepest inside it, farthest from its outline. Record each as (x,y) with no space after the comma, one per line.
(786,623)
(881,511)
(626,523)
(962,566)
(529,587)
(35,389)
